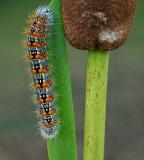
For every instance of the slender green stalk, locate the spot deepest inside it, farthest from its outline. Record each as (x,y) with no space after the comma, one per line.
(63,147)
(95,108)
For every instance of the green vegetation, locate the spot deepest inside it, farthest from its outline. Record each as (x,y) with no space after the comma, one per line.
(95,109)
(63,147)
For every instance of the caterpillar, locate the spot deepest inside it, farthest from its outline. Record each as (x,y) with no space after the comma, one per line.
(39,25)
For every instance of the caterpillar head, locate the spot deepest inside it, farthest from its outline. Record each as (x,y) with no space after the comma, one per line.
(47,14)
(43,12)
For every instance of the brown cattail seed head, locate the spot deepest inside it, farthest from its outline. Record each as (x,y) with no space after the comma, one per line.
(103,24)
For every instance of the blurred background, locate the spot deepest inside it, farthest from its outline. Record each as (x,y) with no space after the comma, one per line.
(19,138)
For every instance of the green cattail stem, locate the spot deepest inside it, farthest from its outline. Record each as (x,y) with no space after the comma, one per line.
(63,147)
(95,109)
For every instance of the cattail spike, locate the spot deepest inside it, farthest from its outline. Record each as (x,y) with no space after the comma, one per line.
(103,24)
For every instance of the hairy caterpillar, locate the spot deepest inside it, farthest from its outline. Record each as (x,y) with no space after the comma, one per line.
(39,24)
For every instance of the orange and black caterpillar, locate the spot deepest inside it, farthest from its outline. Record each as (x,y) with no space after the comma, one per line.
(39,24)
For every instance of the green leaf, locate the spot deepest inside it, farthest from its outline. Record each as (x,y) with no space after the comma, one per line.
(63,147)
